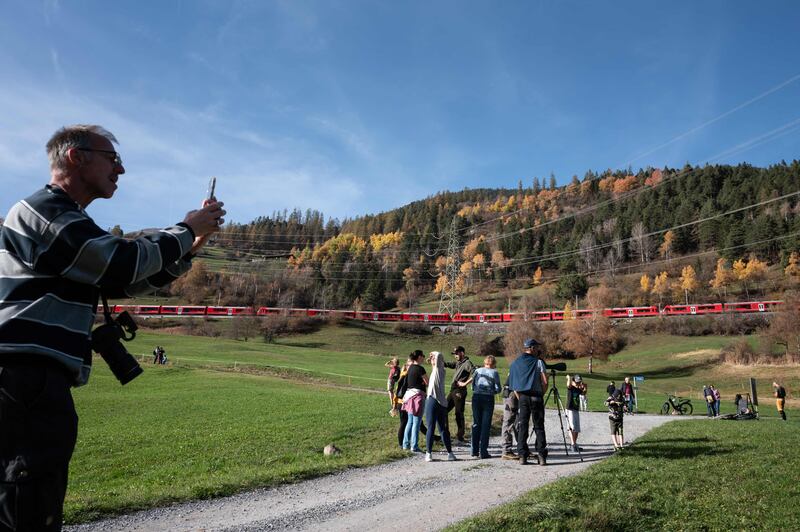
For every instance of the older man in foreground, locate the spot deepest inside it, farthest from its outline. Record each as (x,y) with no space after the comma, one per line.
(55,262)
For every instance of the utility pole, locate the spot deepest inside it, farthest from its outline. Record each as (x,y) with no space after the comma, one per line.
(450,301)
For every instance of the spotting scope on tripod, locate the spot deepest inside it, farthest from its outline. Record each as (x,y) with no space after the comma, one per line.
(553,392)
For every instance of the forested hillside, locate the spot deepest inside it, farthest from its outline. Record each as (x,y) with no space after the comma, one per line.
(607,228)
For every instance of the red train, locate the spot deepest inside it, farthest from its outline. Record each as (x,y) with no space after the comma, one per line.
(460,318)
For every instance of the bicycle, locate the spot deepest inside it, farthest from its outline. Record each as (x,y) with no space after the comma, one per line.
(677,404)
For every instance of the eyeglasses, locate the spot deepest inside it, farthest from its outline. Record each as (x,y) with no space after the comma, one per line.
(116,159)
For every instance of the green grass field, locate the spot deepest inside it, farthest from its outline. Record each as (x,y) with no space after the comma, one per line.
(722,475)
(177,434)
(353,354)
(199,429)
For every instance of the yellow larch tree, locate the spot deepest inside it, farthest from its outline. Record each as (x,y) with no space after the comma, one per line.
(537,276)
(661,286)
(792,270)
(644,287)
(665,249)
(723,277)
(688,281)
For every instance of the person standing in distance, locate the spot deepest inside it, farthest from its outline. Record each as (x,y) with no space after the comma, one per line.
(54,264)
(780,399)
(509,429)
(528,380)
(457,398)
(574,390)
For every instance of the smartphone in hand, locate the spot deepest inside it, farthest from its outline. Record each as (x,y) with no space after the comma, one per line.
(212,184)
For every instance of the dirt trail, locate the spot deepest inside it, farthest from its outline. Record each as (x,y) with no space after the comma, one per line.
(376,498)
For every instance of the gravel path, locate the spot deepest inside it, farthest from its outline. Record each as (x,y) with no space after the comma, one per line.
(373,498)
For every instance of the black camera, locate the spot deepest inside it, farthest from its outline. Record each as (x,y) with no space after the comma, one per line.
(106,341)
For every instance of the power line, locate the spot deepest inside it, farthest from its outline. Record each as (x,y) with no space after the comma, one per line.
(558,255)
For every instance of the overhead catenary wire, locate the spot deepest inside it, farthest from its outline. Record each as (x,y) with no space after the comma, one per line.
(524,261)
(771,135)
(690,131)
(638,268)
(548,258)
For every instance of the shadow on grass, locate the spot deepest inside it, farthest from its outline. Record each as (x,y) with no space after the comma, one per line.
(671,372)
(666,372)
(309,345)
(678,449)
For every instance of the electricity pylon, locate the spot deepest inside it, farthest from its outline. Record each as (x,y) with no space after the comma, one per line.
(450,301)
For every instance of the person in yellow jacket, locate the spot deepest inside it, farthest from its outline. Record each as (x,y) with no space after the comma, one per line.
(780,399)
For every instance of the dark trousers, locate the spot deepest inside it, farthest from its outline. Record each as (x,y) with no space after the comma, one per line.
(531,406)
(38,429)
(482,410)
(457,398)
(436,414)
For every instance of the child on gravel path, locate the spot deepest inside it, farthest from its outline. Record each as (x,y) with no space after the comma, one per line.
(615,406)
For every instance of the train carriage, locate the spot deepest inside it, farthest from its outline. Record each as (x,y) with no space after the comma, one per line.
(752,306)
(683,310)
(631,312)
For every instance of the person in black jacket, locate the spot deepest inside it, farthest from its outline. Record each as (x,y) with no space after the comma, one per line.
(457,398)
(780,399)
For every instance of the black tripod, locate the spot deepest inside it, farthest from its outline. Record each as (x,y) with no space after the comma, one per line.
(553,392)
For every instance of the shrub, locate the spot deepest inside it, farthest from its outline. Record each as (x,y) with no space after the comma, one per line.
(492,347)
(739,352)
(202,328)
(274,326)
(548,334)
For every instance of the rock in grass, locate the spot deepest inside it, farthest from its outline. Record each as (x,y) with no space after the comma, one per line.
(331,450)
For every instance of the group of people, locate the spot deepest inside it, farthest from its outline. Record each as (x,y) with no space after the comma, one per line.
(415,394)
(742,403)
(159,355)
(419,399)
(627,392)
(713,398)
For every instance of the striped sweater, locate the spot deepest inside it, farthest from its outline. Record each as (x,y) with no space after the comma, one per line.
(54,261)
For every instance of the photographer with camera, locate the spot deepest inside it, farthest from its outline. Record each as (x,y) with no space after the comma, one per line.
(55,263)
(574,390)
(528,380)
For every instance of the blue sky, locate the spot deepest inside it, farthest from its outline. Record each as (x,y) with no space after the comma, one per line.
(356,107)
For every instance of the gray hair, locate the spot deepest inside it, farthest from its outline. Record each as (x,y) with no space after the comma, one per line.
(75,136)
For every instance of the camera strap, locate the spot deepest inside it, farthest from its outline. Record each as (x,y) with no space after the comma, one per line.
(106,310)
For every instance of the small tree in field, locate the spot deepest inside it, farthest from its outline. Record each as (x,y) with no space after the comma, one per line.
(548,334)
(594,335)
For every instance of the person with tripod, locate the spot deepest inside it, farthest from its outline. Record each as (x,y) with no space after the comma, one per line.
(528,380)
